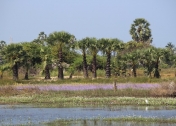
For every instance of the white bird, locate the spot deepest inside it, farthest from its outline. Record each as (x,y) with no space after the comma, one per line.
(146,101)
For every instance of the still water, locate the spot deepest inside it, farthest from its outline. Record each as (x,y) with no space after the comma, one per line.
(20,114)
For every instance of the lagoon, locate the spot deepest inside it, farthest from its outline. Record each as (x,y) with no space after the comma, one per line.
(28,114)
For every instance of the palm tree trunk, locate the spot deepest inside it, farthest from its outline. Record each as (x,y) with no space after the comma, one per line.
(60,67)
(149,70)
(60,72)
(134,70)
(47,72)
(71,74)
(156,72)
(85,66)
(94,66)
(15,71)
(108,63)
(26,77)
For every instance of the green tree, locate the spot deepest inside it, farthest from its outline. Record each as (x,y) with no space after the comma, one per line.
(170,47)
(94,48)
(107,46)
(140,31)
(45,53)
(158,54)
(42,38)
(2,45)
(60,40)
(3,65)
(31,57)
(147,61)
(46,57)
(133,59)
(13,54)
(151,57)
(170,54)
(83,45)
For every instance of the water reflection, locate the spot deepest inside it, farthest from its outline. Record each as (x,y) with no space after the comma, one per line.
(28,114)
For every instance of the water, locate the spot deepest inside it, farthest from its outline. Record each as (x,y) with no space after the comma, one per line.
(16,114)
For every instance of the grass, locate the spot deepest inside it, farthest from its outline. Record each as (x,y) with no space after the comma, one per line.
(134,120)
(99,97)
(166,75)
(127,96)
(84,81)
(9,95)
(142,119)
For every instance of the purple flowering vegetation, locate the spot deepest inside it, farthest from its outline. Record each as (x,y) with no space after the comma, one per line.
(76,87)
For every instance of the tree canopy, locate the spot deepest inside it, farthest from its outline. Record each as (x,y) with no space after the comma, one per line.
(140,30)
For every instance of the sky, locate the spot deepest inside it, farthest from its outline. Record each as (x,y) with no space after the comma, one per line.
(23,20)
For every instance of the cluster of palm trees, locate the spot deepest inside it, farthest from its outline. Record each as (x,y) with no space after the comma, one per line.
(60,49)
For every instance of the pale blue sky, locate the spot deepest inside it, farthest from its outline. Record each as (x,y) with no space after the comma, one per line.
(23,20)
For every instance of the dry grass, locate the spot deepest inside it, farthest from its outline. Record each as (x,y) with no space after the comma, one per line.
(166,89)
(11,91)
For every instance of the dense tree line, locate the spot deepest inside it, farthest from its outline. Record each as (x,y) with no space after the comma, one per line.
(61,51)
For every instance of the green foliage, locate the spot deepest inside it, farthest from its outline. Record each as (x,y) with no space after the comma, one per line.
(2,45)
(13,53)
(140,30)
(60,38)
(59,51)
(59,41)
(107,46)
(150,59)
(119,66)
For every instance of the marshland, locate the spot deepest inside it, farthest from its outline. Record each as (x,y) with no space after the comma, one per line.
(56,79)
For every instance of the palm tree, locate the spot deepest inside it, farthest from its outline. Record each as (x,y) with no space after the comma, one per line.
(42,38)
(31,57)
(147,61)
(60,40)
(157,53)
(83,45)
(151,58)
(140,31)
(170,47)
(107,46)
(133,58)
(13,54)
(2,45)
(26,58)
(46,56)
(94,48)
